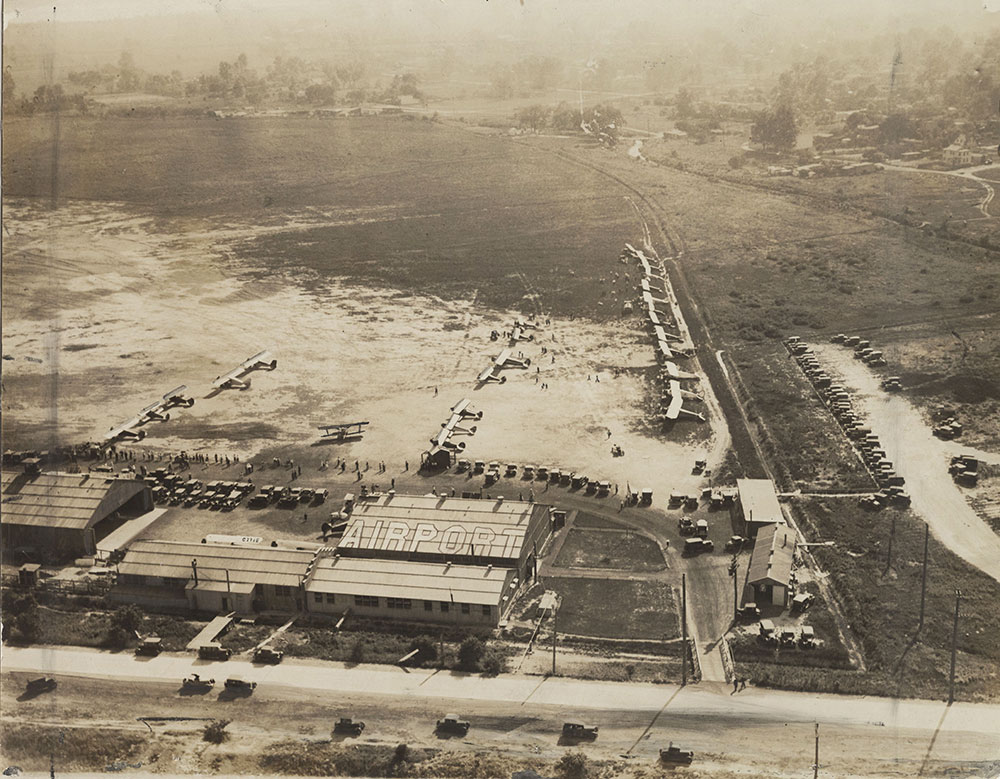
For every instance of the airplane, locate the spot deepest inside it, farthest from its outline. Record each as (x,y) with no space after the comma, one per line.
(518,334)
(504,360)
(491,373)
(451,445)
(462,409)
(676,408)
(124,431)
(452,427)
(677,374)
(343,431)
(153,412)
(668,353)
(234,379)
(176,397)
(525,324)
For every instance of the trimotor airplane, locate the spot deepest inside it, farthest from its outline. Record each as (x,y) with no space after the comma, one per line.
(234,379)
(177,397)
(343,431)
(676,408)
(463,410)
(125,431)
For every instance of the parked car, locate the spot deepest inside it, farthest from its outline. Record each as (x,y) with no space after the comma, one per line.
(267,655)
(750,611)
(452,724)
(350,726)
(40,684)
(578,731)
(787,636)
(807,638)
(195,682)
(802,601)
(150,646)
(239,684)
(676,755)
(213,650)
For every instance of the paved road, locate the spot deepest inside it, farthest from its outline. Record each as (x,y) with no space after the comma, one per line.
(921,458)
(758,705)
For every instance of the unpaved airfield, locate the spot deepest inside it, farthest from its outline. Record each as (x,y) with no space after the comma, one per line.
(110,312)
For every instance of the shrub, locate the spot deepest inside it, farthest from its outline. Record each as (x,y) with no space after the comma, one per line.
(118,638)
(215,731)
(426,649)
(128,618)
(470,652)
(493,662)
(573,765)
(358,652)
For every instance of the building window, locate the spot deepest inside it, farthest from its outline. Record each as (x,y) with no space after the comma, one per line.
(330,597)
(465,608)
(428,605)
(367,601)
(444,607)
(318,597)
(487,611)
(398,603)
(281,591)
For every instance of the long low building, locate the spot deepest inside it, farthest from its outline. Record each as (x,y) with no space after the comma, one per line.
(463,531)
(412,591)
(758,504)
(66,514)
(216,578)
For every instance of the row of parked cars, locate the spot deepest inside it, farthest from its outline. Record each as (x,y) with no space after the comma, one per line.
(787,636)
(864,440)
(288,497)
(494,471)
(862,349)
(151,646)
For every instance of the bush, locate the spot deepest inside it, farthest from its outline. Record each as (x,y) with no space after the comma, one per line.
(358,652)
(426,649)
(118,638)
(128,618)
(573,765)
(470,652)
(493,662)
(215,731)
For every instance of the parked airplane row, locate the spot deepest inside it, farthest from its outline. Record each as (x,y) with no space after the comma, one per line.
(157,411)
(460,412)
(670,345)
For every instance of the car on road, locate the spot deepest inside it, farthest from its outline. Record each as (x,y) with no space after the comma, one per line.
(241,685)
(195,682)
(676,755)
(267,655)
(579,731)
(450,723)
(40,684)
(350,726)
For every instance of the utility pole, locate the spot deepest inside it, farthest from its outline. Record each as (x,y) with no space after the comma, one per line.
(684,630)
(736,594)
(923,582)
(816,763)
(954,646)
(555,613)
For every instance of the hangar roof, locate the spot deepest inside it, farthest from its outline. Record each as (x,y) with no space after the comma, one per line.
(71,501)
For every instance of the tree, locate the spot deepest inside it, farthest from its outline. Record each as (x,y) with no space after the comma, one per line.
(776,129)
(565,117)
(470,652)
(128,618)
(426,649)
(532,117)
(493,662)
(684,104)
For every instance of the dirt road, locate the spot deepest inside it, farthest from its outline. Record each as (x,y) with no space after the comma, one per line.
(920,457)
(523,714)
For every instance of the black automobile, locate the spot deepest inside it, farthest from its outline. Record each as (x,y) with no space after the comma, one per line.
(351,727)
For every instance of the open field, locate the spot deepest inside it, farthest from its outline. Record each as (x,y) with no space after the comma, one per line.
(596,607)
(616,549)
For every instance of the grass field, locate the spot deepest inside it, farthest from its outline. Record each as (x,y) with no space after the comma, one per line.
(73,748)
(91,628)
(617,549)
(616,608)
(399,201)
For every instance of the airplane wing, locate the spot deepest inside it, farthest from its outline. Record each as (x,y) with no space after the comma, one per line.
(676,401)
(223,380)
(654,318)
(124,427)
(151,407)
(660,335)
(675,373)
(486,373)
(502,357)
(260,357)
(453,420)
(516,334)
(175,393)
(461,406)
(645,285)
(441,437)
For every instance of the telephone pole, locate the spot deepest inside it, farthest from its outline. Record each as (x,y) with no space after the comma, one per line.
(735,571)
(954,646)
(816,763)
(684,630)
(923,581)
(555,612)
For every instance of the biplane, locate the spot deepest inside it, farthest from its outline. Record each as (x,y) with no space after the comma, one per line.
(342,432)
(177,397)
(676,409)
(234,379)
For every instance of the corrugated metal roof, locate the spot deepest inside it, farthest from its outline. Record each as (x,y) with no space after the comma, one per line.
(254,565)
(427,524)
(395,579)
(63,500)
(759,501)
(773,552)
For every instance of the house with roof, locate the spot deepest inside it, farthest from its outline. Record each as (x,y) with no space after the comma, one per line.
(770,573)
(66,514)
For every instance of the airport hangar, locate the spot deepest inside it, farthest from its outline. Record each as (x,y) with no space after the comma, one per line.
(67,513)
(402,557)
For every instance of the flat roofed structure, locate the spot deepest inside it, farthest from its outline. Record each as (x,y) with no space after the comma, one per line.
(771,564)
(429,528)
(67,513)
(759,503)
(417,591)
(217,577)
